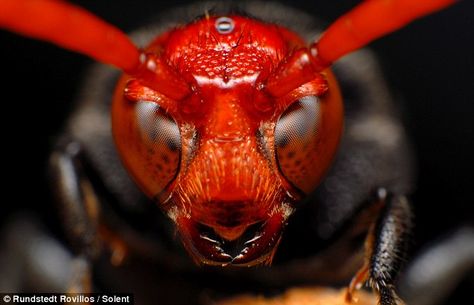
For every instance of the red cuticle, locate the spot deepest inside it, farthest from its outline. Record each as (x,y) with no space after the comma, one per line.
(319,63)
(156,74)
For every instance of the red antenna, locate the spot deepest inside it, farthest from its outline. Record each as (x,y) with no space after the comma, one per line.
(70,27)
(366,22)
(74,28)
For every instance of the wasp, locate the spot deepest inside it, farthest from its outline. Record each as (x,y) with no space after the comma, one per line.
(227,123)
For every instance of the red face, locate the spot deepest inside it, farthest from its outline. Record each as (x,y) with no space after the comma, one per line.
(228,157)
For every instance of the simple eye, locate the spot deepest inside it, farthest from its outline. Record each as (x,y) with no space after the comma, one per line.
(296,137)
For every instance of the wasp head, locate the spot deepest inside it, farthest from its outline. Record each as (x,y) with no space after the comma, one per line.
(229,157)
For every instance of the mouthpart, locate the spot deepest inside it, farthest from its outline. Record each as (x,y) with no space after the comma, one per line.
(254,244)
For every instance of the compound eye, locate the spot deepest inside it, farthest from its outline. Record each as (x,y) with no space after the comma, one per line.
(296,138)
(149,143)
(158,129)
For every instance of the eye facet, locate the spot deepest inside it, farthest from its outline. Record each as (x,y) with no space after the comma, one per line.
(296,137)
(149,143)
(159,142)
(156,127)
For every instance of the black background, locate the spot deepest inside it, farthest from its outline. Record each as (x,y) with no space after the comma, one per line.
(429,63)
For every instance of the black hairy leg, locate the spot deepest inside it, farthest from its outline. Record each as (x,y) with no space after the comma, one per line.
(385,249)
(80,203)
